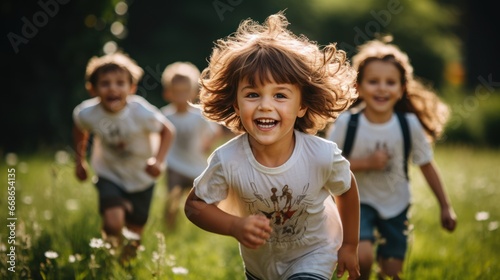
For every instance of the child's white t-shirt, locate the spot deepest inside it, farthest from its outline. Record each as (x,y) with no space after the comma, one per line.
(295,196)
(388,191)
(187,155)
(123,141)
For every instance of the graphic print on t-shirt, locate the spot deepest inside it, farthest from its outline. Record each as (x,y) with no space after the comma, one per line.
(113,138)
(286,210)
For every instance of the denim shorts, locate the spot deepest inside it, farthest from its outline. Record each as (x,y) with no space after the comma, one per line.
(136,204)
(392,239)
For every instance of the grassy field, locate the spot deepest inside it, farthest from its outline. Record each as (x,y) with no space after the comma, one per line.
(57,229)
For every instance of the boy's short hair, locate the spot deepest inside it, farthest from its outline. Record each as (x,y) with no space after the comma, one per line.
(112,62)
(178,71)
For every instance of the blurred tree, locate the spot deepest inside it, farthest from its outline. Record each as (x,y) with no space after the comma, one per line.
(45,49)
(480,33)
(45,77)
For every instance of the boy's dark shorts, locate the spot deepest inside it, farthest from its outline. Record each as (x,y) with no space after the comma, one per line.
(393,232)
(175,178)
(136,204)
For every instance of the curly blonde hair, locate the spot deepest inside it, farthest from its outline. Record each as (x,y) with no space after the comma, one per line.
(112,62)
(181,70)
(260,53)
(418,98)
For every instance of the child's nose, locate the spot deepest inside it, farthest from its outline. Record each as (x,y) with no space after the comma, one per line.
(265,104)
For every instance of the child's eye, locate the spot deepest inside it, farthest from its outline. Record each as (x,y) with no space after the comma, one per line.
(391,83)
(104,83)
(252,95)
(279,95)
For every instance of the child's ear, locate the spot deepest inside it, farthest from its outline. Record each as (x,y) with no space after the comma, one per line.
(165,94)
(302,111)
(236,109)
(90,89)
(133,88)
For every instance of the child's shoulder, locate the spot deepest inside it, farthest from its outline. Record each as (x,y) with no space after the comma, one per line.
(137,102)
(319,146)
(137,99)
(88,104)
(168,109)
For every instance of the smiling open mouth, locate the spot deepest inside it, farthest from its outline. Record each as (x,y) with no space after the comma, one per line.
(266,123)
(381,99)
(112,99)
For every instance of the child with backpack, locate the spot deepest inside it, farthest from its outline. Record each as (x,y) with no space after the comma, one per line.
(396,121)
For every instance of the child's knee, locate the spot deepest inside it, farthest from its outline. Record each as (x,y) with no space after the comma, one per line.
(365,253)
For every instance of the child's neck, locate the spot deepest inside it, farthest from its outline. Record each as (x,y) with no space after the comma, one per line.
(272,155)
(181,108)
(377,117)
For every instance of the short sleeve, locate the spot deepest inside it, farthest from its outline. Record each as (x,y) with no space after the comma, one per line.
(211,185)
(338,129)
(339,180)
(421,152)
(152,116)
(77,118)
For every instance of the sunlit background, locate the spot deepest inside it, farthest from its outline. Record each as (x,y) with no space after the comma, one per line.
(453,46)
(46,44)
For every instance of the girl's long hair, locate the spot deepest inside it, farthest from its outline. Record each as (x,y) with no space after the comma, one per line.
(418,98)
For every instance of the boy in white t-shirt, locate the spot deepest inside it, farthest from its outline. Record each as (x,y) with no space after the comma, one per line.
(195,135)
(286,195)
(124,156)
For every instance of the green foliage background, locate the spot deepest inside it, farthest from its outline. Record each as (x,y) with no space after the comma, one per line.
(45,73)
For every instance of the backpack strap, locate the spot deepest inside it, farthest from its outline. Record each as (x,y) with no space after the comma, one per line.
(406,139)
(350,134)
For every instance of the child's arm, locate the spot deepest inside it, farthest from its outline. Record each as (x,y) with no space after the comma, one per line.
(167,134)
(80,139)
(448,217)
(375,161)
(348,205)
(252,231)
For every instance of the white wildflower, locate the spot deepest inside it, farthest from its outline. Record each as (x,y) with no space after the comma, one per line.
(27,200)
(180,270)
(51,255)
(72,204)
(96,243)
(62,157)
(493,226)
(482,216)
(11,159)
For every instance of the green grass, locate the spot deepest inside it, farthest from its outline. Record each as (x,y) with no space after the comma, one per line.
(56,213)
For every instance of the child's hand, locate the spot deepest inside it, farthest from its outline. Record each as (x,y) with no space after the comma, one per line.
(448,219)
(252,231)
(378,159)
(348,259)
(153,167)
(81,170)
